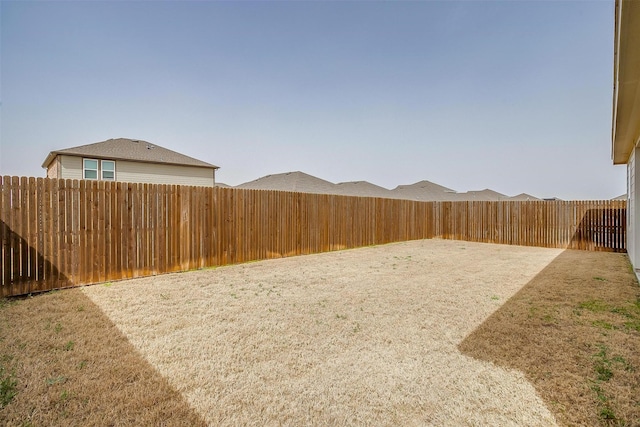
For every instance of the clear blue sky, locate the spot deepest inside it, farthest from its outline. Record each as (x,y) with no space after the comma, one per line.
(509,95)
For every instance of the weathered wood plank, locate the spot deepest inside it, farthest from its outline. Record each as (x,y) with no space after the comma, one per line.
(5,235)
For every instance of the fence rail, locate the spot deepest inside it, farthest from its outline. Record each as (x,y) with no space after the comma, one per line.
(64,233)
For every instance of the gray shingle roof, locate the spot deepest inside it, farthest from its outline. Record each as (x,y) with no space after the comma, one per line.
(524,197)
(129,149)
(423,190)
(363,189)
(291,181)
(482,195)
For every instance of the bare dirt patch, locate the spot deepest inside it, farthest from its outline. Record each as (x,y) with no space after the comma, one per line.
(65,364)
(366,336)
(574,330)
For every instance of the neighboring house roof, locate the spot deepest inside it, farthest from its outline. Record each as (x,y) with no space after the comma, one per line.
(484,195)
(524,197)
(363,189)
(621,197)
(129,149)
(626,80)
(422,190)
(291,181)
(222,184)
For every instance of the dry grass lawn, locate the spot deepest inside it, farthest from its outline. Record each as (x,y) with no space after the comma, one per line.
(360,337)
(420,333)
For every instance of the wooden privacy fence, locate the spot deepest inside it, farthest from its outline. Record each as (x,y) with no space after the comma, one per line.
(63,233)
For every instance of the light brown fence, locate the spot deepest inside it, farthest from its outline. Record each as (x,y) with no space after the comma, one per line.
(63,233)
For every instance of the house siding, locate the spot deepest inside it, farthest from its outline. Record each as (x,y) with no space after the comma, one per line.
(633,205)
(630,208)
(70,167)
(154,173)
(54,168)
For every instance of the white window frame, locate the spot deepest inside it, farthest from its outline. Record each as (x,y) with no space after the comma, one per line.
(102,171)
(85,169)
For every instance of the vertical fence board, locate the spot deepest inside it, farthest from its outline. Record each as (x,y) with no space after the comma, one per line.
(138,241)
(145,238)
(5,234)
(60,246)
(73,224)
(25,233)
(100,232)
(152,198)
(39,214)
(70,244)
(16,225)
(82,234)
(52,252)
(113,230)
(118,224)
(160,248)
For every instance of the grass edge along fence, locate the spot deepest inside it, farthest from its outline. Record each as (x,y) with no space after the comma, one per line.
(58,233)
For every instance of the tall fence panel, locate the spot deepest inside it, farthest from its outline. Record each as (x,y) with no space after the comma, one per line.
(62,233)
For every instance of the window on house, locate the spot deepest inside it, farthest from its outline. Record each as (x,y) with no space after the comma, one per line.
(108,168)
(89,169)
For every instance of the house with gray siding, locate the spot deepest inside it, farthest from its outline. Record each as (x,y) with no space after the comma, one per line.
(129,160)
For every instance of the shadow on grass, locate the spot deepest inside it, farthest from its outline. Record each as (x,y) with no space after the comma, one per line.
(72,366)
(574,330)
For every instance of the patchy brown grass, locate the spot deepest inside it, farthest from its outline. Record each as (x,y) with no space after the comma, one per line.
(574,330)
(69,365)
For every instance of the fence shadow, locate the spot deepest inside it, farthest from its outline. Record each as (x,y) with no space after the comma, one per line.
(554,326)
(104,379)
(601,230)
(23,269)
